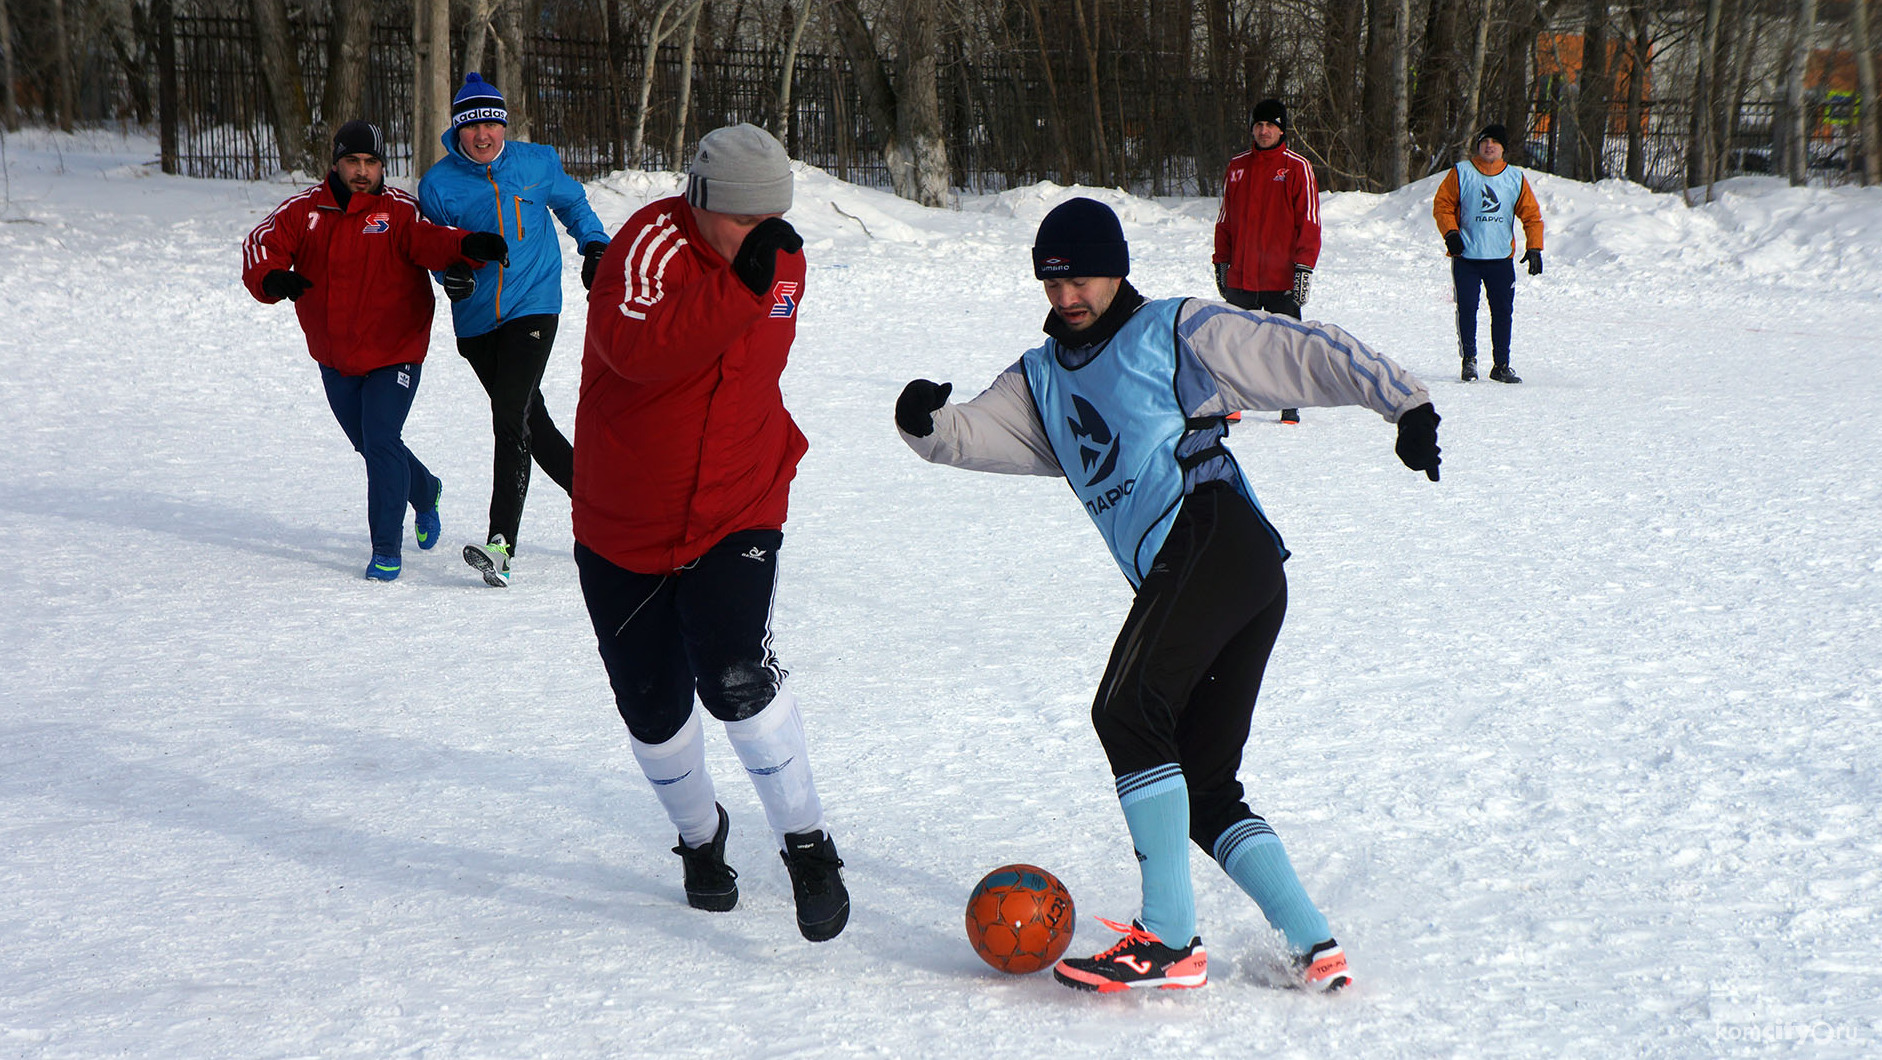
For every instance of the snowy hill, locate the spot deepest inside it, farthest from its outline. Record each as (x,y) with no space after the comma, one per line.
(1580,748)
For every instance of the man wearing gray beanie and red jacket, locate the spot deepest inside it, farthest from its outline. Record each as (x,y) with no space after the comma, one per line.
(1127,399)
(684,456)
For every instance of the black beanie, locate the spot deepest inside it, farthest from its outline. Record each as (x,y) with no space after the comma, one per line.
(1270,110)
(1495,132)
(359,138)
(1080,238)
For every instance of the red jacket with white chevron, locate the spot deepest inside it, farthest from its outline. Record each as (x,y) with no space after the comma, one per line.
(370,304)
(681,435)
(1270,219)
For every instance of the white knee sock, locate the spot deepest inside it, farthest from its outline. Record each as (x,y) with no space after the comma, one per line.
(677,771)
(771,745)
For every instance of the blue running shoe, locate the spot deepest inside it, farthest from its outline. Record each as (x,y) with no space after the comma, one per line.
(383,568)
(425,527)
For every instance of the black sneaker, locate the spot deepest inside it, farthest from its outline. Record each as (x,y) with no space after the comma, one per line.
(710,883)
(823,903)
(1502,374)
(1469,374)
(1290,415)
(1138,960)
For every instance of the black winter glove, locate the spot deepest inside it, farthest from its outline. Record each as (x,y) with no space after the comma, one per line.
(757,259)
(458,282)
(1222,279)
(486,246)
(1418,440)
(591,260)
(1534,258)
(282,283)
(1303,283)
(1454,243)
(914,410)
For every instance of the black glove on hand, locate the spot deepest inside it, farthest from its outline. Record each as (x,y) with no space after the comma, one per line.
(757,259)
(1534,258)
(486,246)
(1303,283)
(1418,440)
(1454,243)
(284,284)
(914,410)
(591,260)
(458,282)
(1222,279)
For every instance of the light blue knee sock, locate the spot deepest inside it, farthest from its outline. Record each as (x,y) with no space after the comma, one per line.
(1253,857)
(1156,809)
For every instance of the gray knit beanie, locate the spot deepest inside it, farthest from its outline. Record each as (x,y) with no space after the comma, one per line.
(740,169)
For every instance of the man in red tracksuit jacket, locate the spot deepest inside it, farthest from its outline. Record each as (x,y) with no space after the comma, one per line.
(1267,237)
(684,456)
(352,255)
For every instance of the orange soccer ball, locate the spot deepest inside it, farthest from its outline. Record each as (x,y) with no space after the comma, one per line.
(1019,918)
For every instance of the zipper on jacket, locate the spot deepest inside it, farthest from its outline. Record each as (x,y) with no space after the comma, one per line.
(497,303)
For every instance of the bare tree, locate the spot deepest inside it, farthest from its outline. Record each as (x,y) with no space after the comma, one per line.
(789,64)
(657,33)
(1639,48)
(349,46)
(9,102)
(906,110)
(681,111)
(1797,109)
(1594,89)
(431,81)
(62,66)
(1702,149)
(513,16)
(287,94)
(1865,78)
(1473,78)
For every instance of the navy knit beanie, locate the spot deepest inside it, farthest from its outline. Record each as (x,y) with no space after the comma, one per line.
(1270,110)
(358,137)
(1080,238)
(1493,132)
(477,101)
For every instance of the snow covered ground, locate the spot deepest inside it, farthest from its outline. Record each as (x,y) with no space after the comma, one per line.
(1579,748)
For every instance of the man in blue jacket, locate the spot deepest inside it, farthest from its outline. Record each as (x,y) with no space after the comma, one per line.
(506,317)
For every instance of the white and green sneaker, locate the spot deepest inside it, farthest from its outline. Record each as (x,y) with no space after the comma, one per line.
(492,560)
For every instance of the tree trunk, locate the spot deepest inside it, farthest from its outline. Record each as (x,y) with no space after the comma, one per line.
(477,34)
(688,36)
(658,31)
(64,94)
(1867,121)
(1342,47)
(1473,98)
(785,125)
(287,98)
(1596,86)
(349,47)
(1061,146)
(9,102)
(1399,172)
(918,105)
(431,81)
(1376,141)
(1089,38)
(1797,146)
(1701,151)
(513,19)
(1442,66)
(1640,47)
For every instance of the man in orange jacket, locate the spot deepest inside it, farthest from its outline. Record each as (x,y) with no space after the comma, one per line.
(1476,210)
(1267,237)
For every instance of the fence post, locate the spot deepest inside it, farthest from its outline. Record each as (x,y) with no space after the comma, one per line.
(165,15)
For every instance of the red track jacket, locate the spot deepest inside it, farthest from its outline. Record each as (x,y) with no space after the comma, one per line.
(681,436)
(1270,219)
(370,304)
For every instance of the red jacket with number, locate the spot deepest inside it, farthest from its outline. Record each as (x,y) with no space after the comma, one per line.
(1270,219)
(370,304)
(681,436)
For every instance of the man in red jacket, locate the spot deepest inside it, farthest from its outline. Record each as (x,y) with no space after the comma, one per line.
(1267,238)
(684,456)
(352,255)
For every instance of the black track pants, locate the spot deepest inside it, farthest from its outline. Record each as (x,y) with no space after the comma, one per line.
(509,362)
(1187,666)
(704,628)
